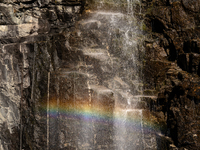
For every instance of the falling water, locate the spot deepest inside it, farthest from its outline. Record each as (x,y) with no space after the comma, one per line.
(100,91)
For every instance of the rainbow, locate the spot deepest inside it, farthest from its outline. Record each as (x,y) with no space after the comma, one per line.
(100,115)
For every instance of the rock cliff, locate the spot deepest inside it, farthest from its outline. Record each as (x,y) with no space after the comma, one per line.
(32,35)
(173,60)
(36,38)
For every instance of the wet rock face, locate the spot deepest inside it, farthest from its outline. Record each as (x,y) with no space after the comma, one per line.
(173,65)
(34,40)
(39,41)
(31,35)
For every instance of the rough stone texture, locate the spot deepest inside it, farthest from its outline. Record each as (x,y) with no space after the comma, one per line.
(35,38)
(30,36)
(172,68)
(38,37)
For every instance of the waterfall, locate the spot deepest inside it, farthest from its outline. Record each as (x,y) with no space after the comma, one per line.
(100,94)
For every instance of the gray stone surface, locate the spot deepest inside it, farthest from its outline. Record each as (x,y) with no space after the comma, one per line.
(28,31)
